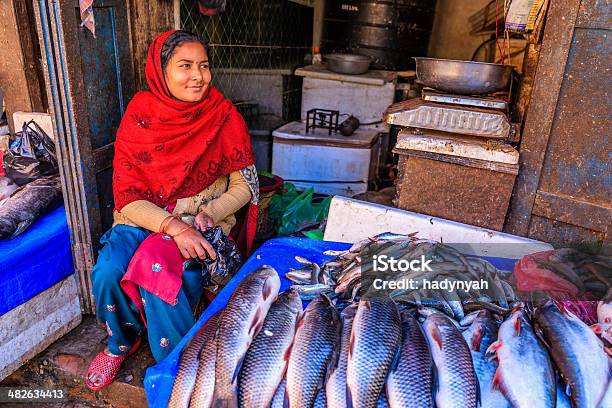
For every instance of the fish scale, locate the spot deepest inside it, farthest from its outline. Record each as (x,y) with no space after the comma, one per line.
(410,382)
(279,395)
(336,383)
(204,381)
(239,323)
(375,339)
(456,379)
(312,352)
(266,360)
(185,380)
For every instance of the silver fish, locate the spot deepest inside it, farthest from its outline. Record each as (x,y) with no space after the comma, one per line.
(205,382)
(457,385)
(479,336)
(309,292)
(185,379)
(525,373)
(336,383)
(577,353)
(374,344)
(409,384)
(279,396)
(266,360)
(312,352)
(240,322)
(321,400)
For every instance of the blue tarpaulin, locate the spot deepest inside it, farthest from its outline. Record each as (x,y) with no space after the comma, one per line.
(279,253)
(35,260)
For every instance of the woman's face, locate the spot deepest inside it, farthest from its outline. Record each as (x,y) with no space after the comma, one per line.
(187,73)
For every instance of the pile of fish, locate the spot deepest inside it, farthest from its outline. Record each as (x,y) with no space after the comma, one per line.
(343,275)
(264,350)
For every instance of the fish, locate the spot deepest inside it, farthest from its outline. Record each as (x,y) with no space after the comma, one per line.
(240,322)
(185,379)
(279,396)
(27,204)
(410,382)
(577,352)
(374,345)
(321,400)
(524,373)
(481,333)
(335,386)
(204,386)
(309,292)
(313,351)
(456,384)
(266,360)
(299,276)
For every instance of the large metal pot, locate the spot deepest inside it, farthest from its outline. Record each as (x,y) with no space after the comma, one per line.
(463,77)
(350,64)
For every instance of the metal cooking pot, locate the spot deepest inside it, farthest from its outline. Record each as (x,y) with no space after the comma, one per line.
(350,64)
(462,77)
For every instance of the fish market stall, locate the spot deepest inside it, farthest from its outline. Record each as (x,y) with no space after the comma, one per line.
(460,336)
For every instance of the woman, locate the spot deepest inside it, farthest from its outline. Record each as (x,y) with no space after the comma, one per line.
(182,157)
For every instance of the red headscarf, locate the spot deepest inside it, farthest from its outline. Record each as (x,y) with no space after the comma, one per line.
(168,149)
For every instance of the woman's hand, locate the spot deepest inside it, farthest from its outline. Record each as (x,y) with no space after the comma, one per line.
(190,242)
(203,221)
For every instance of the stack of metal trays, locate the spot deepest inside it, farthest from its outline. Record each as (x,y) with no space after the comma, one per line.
(419,113)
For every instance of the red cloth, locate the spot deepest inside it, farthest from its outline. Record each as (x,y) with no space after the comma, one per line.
(530,276)
(157,267)
(168,149)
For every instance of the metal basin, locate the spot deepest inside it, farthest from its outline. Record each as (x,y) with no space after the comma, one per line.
(463,77)
(349,64)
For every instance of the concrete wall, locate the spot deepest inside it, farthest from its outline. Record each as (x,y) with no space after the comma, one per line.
(450,37)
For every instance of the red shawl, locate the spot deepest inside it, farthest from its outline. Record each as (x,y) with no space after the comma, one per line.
(168,149)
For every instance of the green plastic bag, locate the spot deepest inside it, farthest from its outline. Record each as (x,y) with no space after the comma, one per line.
(293,211)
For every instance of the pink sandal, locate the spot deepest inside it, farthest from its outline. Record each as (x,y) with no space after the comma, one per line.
(107,367)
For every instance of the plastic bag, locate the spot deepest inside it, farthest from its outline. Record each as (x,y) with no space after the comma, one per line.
(31,155)
(294,212)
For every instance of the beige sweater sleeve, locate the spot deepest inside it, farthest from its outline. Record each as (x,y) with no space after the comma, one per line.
(238,194)
(145,214)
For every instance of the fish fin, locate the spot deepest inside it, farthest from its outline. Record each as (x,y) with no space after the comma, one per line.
(517,326)
(267,289)
(286,403)
(434,382)
(349,398)
(236,372)
(351,344)
(498,381)
(225,403)
(476,337)
(367,304)
(257,323)
(496,345)
(436,336)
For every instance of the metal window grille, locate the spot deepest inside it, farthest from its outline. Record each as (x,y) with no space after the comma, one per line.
(254,47)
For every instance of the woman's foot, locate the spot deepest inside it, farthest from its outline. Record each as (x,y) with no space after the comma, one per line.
(104,368)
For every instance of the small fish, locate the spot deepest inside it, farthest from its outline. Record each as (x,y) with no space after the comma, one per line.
(309,292)
(312,352)
(375,339)
(240,322)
